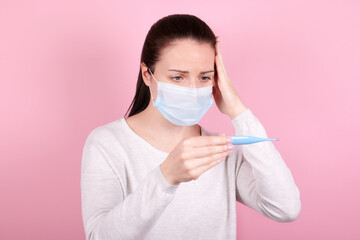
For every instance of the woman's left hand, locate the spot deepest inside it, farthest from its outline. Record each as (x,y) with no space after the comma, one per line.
(226,98)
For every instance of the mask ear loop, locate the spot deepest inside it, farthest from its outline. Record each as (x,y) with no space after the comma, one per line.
(148,69)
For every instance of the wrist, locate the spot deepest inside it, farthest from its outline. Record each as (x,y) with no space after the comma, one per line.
(166,175)
(237,111)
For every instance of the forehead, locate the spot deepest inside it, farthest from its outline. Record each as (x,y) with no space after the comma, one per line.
(188,55)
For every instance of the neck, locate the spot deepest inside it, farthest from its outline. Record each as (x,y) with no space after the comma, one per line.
(158,127)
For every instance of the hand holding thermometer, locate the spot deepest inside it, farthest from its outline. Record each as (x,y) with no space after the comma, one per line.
(242,140)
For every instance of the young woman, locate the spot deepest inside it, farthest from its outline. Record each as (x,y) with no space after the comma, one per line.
(157,174)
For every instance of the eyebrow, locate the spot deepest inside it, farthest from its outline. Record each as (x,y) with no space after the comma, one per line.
(188,71)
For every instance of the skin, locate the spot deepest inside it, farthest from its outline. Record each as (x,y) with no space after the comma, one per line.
(190,154)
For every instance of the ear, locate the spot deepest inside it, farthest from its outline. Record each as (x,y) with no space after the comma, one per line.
(145,74)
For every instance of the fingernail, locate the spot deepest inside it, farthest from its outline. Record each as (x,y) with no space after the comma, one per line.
(229,139)
(230,146)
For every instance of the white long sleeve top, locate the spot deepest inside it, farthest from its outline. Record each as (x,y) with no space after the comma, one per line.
(124,194)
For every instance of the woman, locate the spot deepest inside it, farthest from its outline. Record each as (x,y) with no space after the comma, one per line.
(157,174)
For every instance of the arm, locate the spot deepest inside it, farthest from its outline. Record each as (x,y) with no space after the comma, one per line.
(109,214)
(263,181)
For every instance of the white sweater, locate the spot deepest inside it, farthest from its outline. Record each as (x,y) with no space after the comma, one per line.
(124,194)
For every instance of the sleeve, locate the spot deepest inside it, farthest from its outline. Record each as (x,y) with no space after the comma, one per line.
(263,181)
(110,214)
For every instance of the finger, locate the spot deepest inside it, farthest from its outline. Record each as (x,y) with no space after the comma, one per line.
(219,52)
(199,152)
(216,64)
(198,162)
(221,66)
(203,168)
(200,141)
(220,69)
(220,60)
(217,48)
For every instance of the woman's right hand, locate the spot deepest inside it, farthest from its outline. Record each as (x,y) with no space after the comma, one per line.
(193,156)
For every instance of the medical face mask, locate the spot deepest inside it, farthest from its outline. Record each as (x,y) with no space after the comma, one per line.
(183,106)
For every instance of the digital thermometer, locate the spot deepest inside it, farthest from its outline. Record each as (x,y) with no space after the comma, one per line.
(241,140)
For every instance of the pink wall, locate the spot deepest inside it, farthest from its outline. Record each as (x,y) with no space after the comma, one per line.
(67,67)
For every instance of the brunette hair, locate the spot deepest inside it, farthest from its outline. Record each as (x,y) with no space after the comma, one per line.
(162,34)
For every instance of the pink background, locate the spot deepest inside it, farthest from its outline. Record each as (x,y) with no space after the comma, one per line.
(67,67)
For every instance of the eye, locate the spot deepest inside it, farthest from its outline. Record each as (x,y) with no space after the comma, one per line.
(176,78)
(205,79)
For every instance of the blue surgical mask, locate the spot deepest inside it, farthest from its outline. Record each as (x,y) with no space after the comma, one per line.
(183,106)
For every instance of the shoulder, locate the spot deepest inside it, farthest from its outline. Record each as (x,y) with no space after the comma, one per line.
(105,132)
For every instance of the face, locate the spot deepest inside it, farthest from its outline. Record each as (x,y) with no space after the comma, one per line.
(185,63)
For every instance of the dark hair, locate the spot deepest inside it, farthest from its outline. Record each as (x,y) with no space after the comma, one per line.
(162,34)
